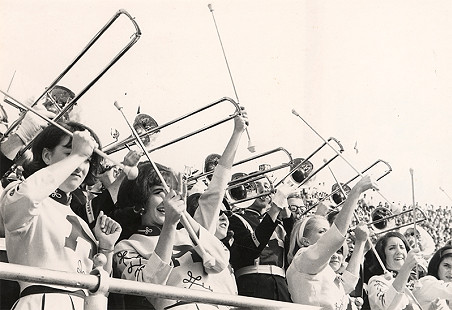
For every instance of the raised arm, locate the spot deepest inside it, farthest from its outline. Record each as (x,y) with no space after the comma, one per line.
(344,217)
(319,254)
(42,183)
(354,264)
(174,206)
(211,199)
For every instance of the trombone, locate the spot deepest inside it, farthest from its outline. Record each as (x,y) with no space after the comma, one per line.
(196,177)
(382,216)
(75,98)
(239,192)
(303,169)
(300,172)
(131,140)
(337,189)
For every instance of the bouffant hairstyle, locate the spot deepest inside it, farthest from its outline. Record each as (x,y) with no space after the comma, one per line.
(50,138)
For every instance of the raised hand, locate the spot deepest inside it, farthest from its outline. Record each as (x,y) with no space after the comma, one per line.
(83,143)
(107,231)
(174,206)
(241,121)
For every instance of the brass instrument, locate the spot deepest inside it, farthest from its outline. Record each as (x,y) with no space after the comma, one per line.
(337,189)
(240,191)
(337,195)
(383,220)
(131,140)
(244,177)
(302,171)
(57,94)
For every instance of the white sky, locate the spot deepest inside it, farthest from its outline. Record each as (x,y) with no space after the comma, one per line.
(375,72)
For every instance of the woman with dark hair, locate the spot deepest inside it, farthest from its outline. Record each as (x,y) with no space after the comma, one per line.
(159,253)
(391,290)
(42,230)
(435,289)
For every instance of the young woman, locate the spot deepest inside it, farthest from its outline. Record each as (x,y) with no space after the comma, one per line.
(159,253)
(42,230)
(310,277)
(435,289)
(392,291)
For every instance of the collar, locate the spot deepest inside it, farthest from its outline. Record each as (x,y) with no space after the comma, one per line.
(62,197)
(149,230)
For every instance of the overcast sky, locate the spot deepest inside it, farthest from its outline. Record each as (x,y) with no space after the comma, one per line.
(375,74)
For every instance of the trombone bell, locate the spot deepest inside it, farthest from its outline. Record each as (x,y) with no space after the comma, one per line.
(383,220)
(300,174)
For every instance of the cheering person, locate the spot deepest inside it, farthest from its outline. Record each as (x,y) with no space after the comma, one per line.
(310,277)
(158,252)
(42,230)
(391,291)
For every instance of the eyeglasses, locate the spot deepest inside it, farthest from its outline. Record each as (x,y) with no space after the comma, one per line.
(295,208)
(228,213)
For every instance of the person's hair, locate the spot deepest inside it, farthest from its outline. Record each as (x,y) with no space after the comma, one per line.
(436,260)
(50,138)
(305,225)
(135,193)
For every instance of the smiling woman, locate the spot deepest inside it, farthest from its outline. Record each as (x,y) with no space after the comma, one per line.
(393,290)
(156,252)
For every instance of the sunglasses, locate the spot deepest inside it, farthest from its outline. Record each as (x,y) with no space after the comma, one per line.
(228,213)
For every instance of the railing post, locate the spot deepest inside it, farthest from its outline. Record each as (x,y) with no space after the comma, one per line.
(97,299)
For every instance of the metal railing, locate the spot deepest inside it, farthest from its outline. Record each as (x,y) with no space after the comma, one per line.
(99,284)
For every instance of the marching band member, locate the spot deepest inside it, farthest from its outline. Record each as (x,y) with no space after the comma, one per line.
(159,253)
(42,230)
(311,279)
(257,252)
(393,292)
(435,289)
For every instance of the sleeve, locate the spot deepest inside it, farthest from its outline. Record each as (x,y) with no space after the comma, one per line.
(382,295)
(319,254)
(251,242)
(432,288)
(216,249)
(211,199)
(17,207)
(349,281)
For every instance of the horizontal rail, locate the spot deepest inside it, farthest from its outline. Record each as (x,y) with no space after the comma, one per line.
(15,272)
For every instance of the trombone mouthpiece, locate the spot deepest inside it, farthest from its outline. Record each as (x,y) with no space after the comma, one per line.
(117,105)
(295,112)
(210,7)
(411,171)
